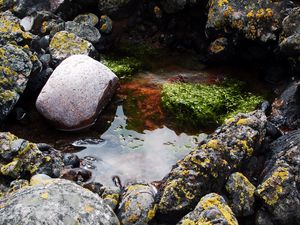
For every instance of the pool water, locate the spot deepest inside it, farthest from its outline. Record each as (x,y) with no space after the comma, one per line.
(134,138)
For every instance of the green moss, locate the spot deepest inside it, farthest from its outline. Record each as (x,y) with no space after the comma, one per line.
(123,67)
(203,104)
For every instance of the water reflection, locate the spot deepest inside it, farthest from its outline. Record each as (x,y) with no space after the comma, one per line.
(146,156)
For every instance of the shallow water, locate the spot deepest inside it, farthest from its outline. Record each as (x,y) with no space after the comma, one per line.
(146,156)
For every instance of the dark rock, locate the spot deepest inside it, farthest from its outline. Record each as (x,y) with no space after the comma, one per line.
(57,202)
(63,100)
(15,68)
(211,209)
(290,37)
(71,160)
(263,218)
(28,7)
(45,22)
(206,169)
(37,82)
(78,175)
(173,6)
(137,204)
(241,194)
(105,24)
(279,189)
(45,60)
(116,8)
(252,20)
(65,44)
(285,109)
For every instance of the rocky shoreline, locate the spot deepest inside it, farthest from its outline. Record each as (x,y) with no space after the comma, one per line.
(245,172)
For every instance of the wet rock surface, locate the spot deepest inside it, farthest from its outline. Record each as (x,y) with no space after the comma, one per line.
(64,202)
(63,100)
(211,209)
(206,169)
(278,189)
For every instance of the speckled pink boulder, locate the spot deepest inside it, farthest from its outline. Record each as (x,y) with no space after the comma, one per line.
(76,92)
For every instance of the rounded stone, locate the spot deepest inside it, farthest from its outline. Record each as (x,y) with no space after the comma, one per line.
(58,202)
(76,92)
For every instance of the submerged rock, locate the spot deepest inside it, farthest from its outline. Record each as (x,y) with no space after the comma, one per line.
(137,204)
(56,202)
(206,169)
(259,20)
(20,158)
(63,100)
(211,209)
(65,44)
(241,194)
(285,113)
(279,189)
(15,68)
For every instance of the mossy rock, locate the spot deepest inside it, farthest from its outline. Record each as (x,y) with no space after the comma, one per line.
(10,29)
(15,68)
(65,44)
(201,104)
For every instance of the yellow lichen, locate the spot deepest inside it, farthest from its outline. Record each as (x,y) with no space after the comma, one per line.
(216,201)
(222,3)
(88,208)
(45,195)
(151,213)
(273,186)
(187,222)
(242,122)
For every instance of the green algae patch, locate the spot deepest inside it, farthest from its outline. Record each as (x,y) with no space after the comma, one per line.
(123,67)
(202,104)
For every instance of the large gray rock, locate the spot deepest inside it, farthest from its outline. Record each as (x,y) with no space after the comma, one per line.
(58,202)
(206,169)
(77,91)
(15,68)
(65,44)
